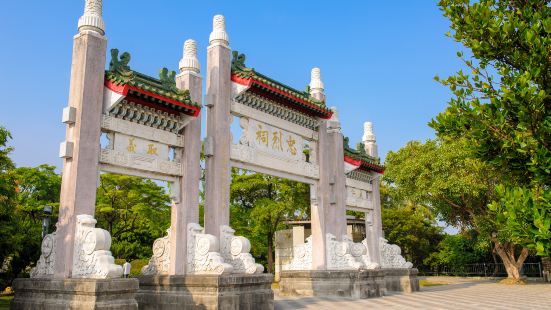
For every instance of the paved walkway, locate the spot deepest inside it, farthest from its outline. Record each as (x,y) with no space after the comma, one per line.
(463,295)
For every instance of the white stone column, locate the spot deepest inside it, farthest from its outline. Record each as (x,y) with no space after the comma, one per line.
(217,142)
(317,220)
(185,204)
(370,144)
(376,229)
(337,201)
(80,151)
(319,193)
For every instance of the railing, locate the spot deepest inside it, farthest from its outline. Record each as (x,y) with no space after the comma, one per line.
(484,270)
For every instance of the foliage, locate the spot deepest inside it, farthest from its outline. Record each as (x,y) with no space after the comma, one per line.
(456,251)
(7,197)
(446,177)
(259,206)
(443,177)
(525,216)
(135,211)
(503,107)
(416,235)
(37,187)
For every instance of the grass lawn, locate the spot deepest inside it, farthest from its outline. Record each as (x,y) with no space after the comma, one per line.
(5,302)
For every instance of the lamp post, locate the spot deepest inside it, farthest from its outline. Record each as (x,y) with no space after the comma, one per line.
(46,220)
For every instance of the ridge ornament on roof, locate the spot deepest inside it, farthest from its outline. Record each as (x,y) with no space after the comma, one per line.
(269,88)
(160,93)
(359,157)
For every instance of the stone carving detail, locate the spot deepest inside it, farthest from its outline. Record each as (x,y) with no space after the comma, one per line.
(272,108)
(235,250)
(45,265)
(147,116)
(390,255)
(92,20)
(250,155)
(244,124)
(360,176)
(202,253)
(366,258)
(359,198)
(159,262)
(340,255)
(112,124)
(91,257)
(302,257)
(140,162)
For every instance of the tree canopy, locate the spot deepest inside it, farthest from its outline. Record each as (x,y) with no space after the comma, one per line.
(502,107)
(447,178)
(7,197)
(135,211)
(260,204)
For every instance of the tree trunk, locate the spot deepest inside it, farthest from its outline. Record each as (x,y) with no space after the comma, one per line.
(506,252)
(270,253)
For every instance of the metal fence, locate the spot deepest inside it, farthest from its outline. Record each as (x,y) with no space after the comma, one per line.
(484,270)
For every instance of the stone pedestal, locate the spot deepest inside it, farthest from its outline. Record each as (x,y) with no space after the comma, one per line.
(225,292)
(82,294)
(350,283)
(401,280)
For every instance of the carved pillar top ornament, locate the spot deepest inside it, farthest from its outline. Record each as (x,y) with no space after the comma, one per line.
(219,36)
(91,19)
(369,140)
(334,124)
(189,61)
(369,136)
(316,85)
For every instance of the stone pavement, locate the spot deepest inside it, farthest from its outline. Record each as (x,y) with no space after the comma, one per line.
(459,295)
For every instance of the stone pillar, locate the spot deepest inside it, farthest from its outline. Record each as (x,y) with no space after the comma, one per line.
(218,139)
(331,161)
(317,219)
(338,179)
(324,198)
(377,226)
(185,203)
(80,151)
(375,230)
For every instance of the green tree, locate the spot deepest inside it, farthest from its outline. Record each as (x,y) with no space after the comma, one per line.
(135,211)
(7,198)
(416,235)
(456,251)
(36,187)
(260,205)
(458,187)
(503,108)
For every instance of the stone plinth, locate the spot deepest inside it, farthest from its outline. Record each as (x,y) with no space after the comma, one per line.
(401,280)
(225,292)
(349,283)
(82,294)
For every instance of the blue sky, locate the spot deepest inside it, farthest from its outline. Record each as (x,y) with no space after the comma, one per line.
(378,58)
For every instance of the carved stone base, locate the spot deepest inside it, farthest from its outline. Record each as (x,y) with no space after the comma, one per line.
(401,280)
(50,294)
(227,292)
(355,284)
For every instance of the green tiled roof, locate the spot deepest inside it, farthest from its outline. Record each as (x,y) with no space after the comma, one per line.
(360,154)
(119,73)
(239,69)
